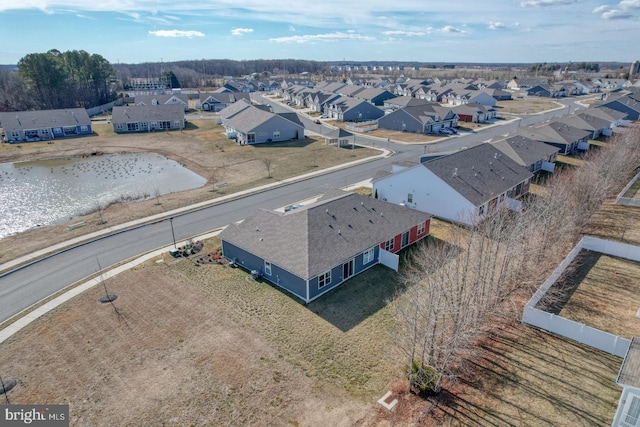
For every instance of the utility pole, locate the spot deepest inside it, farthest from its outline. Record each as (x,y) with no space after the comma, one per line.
(173,233)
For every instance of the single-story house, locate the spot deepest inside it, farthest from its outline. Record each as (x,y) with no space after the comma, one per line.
(596,125)
(424,119)
(312,249)
(542,90)
(614,117)
(524,83)
(147,118)
(339,137)
(474,113)
(350,109)
(529,153)
(44,125)
(167,99)
(463,187)
(253,125)
(374,95)
(628,412)
(219,101)
(567,138)
(404,101)
(625,104)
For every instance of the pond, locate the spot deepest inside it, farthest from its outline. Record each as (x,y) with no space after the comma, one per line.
(46,192)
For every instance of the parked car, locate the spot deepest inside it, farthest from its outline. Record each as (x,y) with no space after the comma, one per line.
(448,131)
(317,122)
(324,116)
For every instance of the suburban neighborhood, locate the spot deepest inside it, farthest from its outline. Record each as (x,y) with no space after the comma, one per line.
(366,244)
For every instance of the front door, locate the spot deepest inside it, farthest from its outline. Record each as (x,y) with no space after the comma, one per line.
(347,269)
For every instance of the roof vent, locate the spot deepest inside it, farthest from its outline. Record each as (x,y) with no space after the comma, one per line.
(455,172)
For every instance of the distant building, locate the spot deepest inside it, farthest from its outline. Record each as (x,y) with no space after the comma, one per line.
(634,70)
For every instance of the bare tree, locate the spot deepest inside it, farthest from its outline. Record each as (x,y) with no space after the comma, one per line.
(455,290)
(266,161)
(156,194)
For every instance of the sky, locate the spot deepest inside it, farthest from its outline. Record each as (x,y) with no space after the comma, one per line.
(495,31)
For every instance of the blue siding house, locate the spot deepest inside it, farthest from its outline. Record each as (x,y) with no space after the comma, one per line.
(311,250)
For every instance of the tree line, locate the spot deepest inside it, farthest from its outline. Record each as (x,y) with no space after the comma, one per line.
(57,80)
(545,68)
(458,289)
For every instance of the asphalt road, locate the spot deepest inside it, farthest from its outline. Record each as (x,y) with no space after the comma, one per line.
(23,287)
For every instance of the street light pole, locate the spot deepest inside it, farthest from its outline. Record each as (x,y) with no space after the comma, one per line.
(173,233)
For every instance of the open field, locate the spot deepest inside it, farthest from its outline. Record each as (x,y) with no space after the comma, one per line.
(202,147)
(527,105)
(599,280)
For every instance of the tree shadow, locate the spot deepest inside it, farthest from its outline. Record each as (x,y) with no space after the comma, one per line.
(364,295)
(563,289)
(293,143)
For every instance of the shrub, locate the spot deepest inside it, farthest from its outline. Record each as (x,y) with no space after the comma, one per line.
(423,379)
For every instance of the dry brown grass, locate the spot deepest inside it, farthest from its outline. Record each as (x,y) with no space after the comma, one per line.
(206,345)
(604,281)
(527,105)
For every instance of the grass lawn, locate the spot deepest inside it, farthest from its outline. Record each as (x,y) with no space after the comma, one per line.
(633,190)
(206,345)
(527,105)
(599,280)
(568,160)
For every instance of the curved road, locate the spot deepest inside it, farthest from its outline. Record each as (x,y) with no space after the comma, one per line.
(25,286)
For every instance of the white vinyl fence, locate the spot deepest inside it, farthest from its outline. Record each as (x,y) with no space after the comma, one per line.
(593,337)
(628,201)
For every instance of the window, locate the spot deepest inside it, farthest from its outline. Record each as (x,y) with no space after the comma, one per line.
(324,279)
(405,239)
(84,128)
(368,256)
(276,134)
(630,417)
(421,227)
(267,268)
(390,244)
(409,198)
(481,210)
(251,138)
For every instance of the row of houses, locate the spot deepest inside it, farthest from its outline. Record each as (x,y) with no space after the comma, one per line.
(312,249)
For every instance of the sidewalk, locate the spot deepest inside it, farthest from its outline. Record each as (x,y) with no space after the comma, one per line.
(25,317)
(27,259)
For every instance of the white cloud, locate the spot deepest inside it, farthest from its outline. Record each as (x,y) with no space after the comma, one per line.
(451,29)
(630,4)
(622,11)
(176,33)
(405,33)
(241,31)
(497,26)
(292,28)
(545,3)
(616,14)
(330,37)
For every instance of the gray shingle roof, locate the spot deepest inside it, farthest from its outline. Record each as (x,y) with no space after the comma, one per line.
(554,132)
(312,239)
(479,174)
(524,151)
(146,113)
(41,119)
